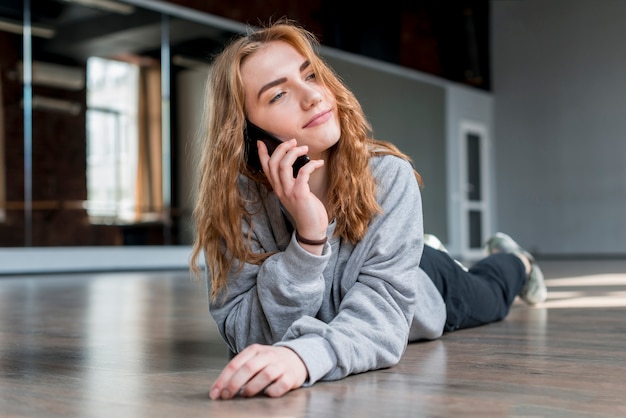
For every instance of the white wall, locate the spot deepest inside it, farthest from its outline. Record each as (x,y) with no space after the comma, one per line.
(407,108)
(422,115)
(467,105)
(191,96)
(559,81)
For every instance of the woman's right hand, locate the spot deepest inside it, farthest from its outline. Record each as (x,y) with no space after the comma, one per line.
(266,369)
(295,194)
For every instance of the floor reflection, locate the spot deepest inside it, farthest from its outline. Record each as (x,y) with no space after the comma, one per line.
(587,291)
(135,345)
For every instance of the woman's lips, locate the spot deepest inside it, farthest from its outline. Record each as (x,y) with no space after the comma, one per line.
(319,119)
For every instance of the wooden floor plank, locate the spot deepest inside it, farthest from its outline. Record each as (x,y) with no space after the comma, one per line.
(142,344)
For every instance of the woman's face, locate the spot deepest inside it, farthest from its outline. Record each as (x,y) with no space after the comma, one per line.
(283,96)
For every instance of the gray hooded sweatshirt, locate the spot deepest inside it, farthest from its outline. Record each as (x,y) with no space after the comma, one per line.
(349,310)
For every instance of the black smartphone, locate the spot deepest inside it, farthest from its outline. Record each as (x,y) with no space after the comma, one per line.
(253,133)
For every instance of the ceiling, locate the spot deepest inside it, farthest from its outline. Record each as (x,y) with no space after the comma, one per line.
(67,31)
(446,39)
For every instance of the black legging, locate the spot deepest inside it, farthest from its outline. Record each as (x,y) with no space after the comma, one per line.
(479,296)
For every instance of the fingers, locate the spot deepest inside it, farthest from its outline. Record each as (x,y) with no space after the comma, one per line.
(279,166)
(246,374)
(271,370)
(305,172)
(267,374)
(279,387)
(226,385)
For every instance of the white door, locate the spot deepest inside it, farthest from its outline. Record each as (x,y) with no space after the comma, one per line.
(475,204)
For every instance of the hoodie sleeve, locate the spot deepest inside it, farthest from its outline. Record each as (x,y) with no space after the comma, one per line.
(262,301)
(380,284)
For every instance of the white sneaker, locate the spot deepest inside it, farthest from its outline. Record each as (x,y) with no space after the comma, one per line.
(534,291)
(433,241)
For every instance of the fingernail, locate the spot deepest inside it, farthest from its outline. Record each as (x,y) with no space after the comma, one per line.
(215,393)
(225,394)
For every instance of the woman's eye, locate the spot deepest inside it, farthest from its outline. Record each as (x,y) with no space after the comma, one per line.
(311,76)
(277,97)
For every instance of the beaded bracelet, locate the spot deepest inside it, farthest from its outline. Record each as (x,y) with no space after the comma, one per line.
(303,240)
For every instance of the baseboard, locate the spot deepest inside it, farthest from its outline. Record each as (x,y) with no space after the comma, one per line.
(79,259)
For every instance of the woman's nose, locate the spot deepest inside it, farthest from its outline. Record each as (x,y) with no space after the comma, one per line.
(311,98)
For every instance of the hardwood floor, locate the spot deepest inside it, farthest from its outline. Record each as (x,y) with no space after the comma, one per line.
(143,345)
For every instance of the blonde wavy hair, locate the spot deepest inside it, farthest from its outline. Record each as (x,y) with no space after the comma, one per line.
(352,199)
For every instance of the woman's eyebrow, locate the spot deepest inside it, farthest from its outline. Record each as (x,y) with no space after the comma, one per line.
(281,80)
(270,85)
(305,65)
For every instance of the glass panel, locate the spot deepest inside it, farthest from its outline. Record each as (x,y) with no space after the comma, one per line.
(474,192)
(4,62)
(475,229)
(106,167)
(192,47)
(11,126)
(3,199)
(85,112)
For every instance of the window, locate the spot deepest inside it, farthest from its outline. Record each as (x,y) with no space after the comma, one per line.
(112,139)
(2,162)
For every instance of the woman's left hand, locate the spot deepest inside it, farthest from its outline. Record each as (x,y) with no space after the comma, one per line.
(273,370)
(307,210)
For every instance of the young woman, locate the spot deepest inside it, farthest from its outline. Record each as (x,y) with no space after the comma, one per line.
(322,273)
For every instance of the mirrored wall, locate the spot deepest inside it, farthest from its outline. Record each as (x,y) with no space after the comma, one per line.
(100,111)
